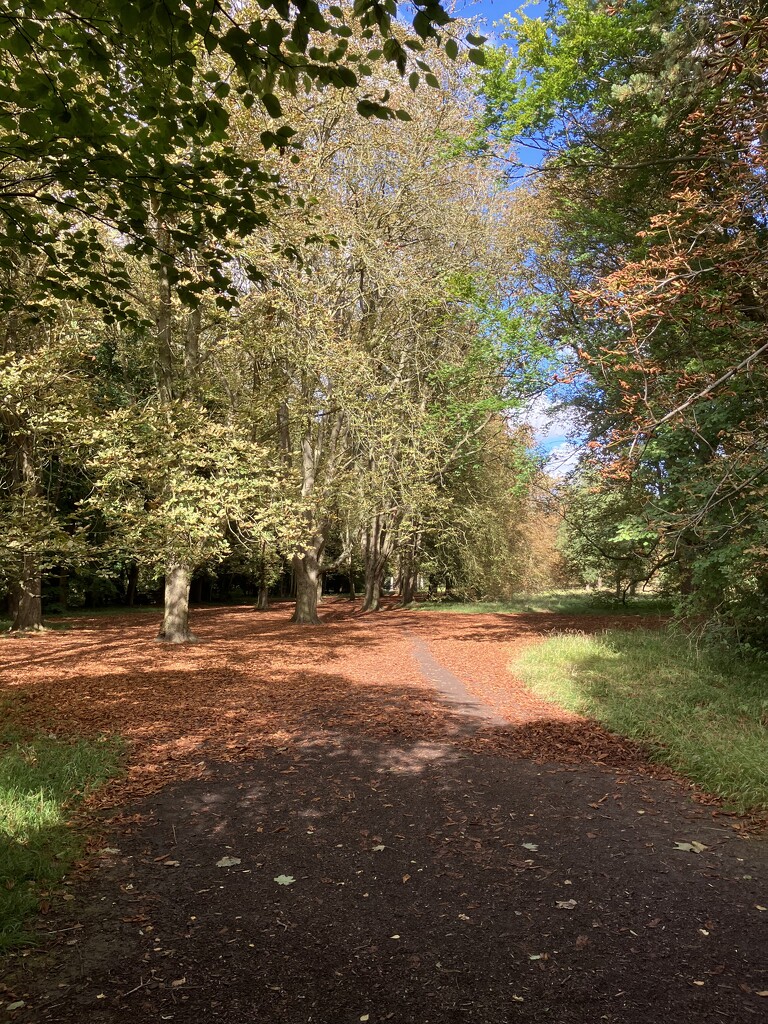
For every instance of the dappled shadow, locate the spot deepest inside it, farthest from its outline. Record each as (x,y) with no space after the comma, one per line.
(386,854)
(347,875)
(257,681)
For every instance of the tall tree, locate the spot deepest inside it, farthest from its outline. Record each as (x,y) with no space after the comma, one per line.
(112,100)
(366,343)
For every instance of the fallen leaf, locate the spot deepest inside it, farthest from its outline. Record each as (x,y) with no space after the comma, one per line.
(517,999)
(693,847)
(463,917)
(565,904)
(765,993)
(172,864)
(283,879)
(377,849)
(108,851)
(178,983)
(405,878)
(698,983)
(17,1005)
(366,1016)
(531,846)
(228,862)
(758,907)
(581,941)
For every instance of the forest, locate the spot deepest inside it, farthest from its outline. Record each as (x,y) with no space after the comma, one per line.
(279,296)
(383,485)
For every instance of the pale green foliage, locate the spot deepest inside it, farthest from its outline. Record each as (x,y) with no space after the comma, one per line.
(174,486)
(46,396)
(381,366)
(478,541)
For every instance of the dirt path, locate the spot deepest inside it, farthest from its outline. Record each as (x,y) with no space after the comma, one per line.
(391,857)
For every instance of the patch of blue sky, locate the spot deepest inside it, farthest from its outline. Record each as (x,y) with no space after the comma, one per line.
(558,437)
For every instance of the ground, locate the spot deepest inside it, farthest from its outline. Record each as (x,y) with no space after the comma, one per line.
(371,820)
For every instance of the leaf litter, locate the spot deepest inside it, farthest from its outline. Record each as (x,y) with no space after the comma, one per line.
(276,697)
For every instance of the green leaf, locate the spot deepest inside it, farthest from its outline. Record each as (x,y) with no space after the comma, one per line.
(272,105)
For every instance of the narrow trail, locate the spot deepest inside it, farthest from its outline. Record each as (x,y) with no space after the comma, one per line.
(372,821)
(452,691)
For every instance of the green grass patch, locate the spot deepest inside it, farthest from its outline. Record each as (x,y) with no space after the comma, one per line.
(704,715)
(573,602)
(41,782)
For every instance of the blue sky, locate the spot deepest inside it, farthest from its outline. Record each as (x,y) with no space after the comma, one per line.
(494,10)
(554,429)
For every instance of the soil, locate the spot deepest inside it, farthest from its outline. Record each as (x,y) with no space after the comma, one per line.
(372,820)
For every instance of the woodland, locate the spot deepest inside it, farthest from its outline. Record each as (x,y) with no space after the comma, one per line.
(281,283)
(408,371)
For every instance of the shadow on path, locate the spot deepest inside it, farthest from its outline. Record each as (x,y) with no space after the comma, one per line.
(426,885)
(430,878)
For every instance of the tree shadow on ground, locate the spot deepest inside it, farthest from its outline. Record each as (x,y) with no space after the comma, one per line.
(378,877)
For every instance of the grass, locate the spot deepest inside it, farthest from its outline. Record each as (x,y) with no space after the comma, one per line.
(706,716)
(57,618)
(574,602)
(42,780)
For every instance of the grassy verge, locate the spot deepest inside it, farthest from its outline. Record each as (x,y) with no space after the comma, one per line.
(575,602)
(41,781)
(704,716)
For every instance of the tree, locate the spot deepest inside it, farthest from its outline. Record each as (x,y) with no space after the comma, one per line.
(109,102)
(364,349)
(650,119)
(176,486)
(691,362)
(46,400)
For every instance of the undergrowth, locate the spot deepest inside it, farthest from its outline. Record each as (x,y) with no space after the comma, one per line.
(42,779)
(703,714)
(575,602)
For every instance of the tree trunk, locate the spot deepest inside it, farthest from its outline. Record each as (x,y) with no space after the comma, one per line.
(373,581)
(352,591)
(408,590)
(262,600)
(409,571)
(377,546)
(175,628)
(26,599)
(133,582)
(306,571)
